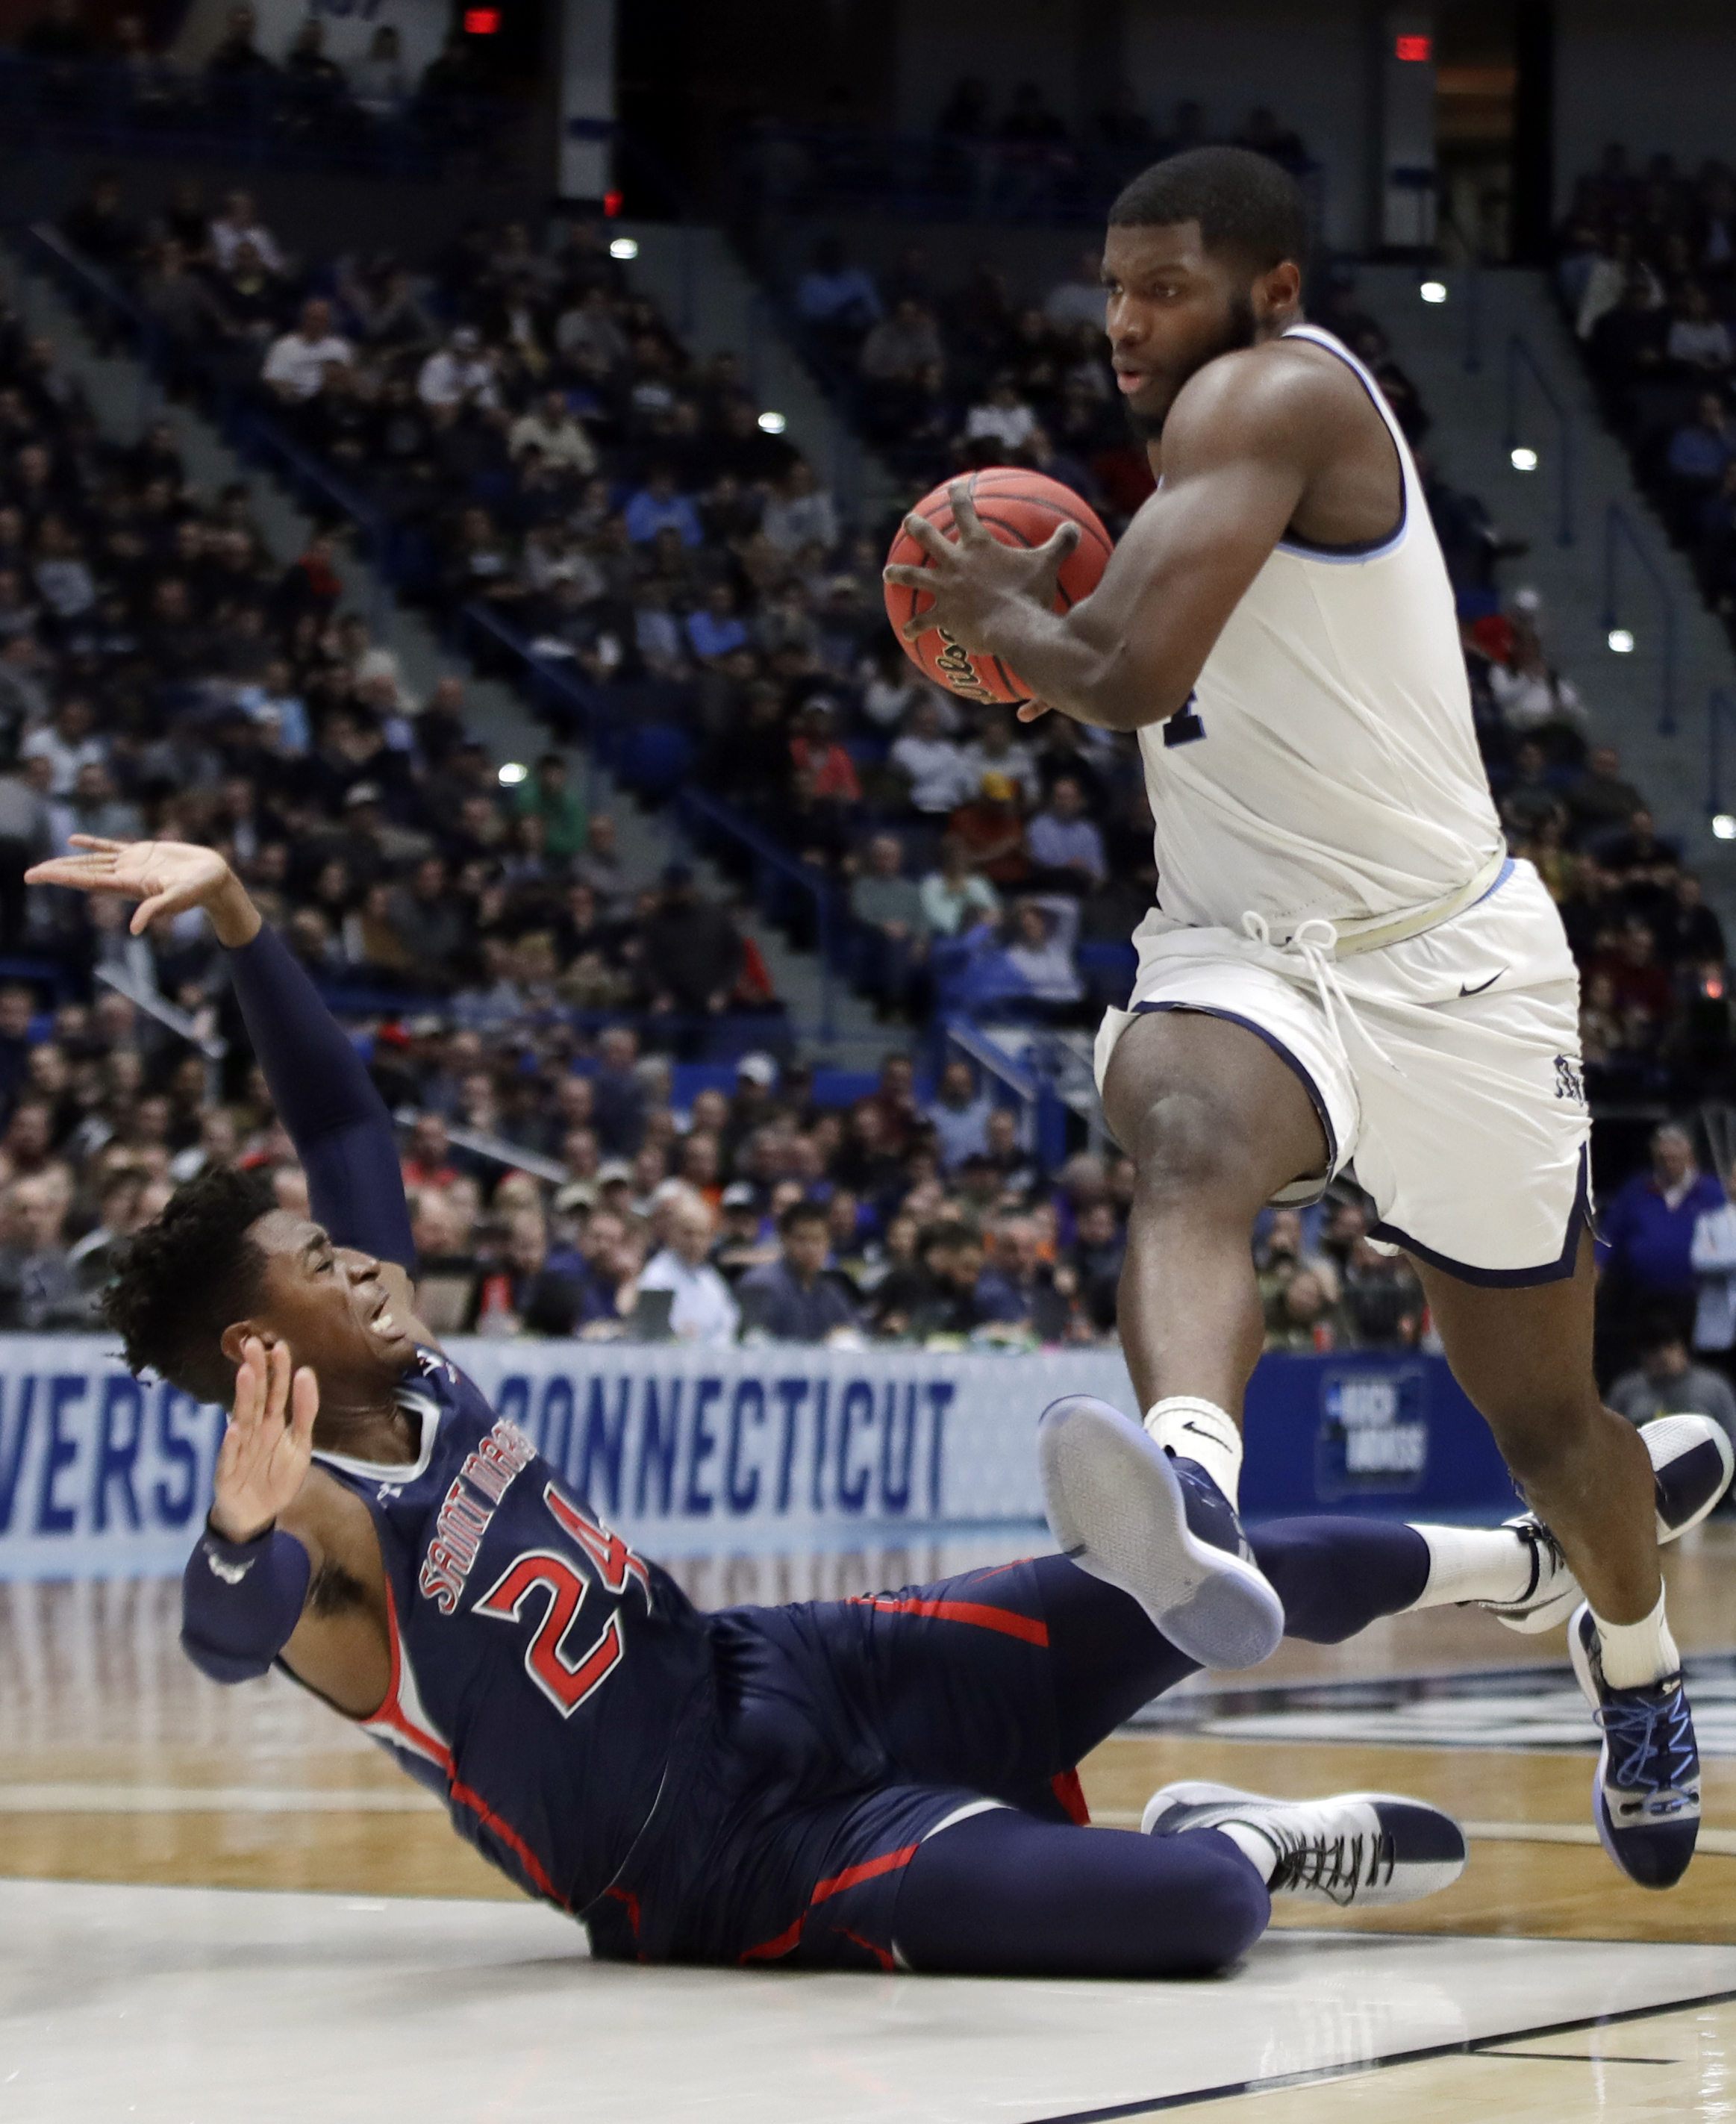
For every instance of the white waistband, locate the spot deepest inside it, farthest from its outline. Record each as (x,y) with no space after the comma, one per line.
(1373,932)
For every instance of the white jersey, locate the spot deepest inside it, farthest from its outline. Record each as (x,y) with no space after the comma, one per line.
(1326,765)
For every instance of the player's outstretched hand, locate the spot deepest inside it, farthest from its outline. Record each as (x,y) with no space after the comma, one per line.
(165,877)
(268,1448)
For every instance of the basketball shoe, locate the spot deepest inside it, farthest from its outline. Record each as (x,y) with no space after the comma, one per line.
(1136,1516)
(1365,1848)
(1691,1465)
(1645,1792)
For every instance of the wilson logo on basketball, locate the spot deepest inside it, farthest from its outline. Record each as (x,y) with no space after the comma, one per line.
(953,665)
(1019,507)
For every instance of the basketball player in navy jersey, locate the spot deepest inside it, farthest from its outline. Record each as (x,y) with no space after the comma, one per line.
(1345,970)
(875,1783)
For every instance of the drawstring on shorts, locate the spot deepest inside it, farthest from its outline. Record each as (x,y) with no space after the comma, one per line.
(1313,942)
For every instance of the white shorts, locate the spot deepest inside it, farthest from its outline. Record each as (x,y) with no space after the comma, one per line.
(1450,1088)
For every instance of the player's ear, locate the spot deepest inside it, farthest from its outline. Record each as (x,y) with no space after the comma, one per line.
(236,1335)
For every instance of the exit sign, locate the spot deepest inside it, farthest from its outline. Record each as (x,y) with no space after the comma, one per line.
(1418,51)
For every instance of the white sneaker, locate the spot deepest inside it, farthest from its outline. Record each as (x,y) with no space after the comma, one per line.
(1160,1528)
(1366,1848)
(1691,1466)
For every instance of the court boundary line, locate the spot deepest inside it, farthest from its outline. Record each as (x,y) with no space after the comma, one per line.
(1154,2105)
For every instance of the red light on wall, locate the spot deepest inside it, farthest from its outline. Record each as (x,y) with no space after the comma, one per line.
(611,204)
(486,22)
(1418,51)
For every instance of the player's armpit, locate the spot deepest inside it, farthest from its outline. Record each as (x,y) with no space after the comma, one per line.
(341,1647)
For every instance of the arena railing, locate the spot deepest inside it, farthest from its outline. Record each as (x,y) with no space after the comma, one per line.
(1521,363)
(1619,532)
(1720,725)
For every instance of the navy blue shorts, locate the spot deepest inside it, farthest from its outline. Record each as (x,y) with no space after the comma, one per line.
(849,1730)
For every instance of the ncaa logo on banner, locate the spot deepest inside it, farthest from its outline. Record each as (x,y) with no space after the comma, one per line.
(1373,1436)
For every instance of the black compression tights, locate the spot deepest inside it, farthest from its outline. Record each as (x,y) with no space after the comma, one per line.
(1004,1894)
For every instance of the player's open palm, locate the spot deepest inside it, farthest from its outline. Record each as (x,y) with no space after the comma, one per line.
(268,1448)
(164,876)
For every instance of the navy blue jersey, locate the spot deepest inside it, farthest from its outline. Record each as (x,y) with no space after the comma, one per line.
(541,1672)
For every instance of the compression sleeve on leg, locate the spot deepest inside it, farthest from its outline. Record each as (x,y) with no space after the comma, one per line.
(1336,1576)
(1001,1895)
(326,1099)
(240,1602)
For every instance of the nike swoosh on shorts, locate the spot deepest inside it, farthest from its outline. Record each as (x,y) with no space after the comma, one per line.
(1481,985)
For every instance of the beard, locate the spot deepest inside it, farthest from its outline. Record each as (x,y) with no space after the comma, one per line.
(1239,330)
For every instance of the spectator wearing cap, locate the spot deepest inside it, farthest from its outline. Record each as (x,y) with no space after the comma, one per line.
(702,1311)
(742,1241)
(791,1299)
(1066,848)
(297,365)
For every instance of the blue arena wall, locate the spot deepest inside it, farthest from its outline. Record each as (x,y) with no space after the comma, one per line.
(690,1451)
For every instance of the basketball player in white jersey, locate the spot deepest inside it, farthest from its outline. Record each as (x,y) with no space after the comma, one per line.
(1344,970)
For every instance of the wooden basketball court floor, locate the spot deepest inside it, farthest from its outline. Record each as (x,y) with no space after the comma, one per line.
(216,1903)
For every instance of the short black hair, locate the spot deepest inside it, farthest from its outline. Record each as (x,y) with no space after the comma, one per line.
(801,1213)
(186,1276)
(1243,202)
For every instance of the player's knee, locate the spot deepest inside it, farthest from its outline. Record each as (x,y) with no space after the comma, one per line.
(1185,1145)
(1229,1909)
(1545,1434)
(1215,1912)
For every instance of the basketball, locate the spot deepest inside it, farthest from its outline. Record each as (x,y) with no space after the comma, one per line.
(1019,507)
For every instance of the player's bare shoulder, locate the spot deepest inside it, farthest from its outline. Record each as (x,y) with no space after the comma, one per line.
(1282,399)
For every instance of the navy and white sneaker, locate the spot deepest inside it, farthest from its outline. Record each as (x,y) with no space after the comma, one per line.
(1691,1466)
(1366,1848)
(1159,1528)
(1645,1792)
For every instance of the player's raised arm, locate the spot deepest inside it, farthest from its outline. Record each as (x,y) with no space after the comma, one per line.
(1239,448)
(326,1100)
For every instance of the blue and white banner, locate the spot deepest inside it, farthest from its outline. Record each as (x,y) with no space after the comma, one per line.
(692,1451)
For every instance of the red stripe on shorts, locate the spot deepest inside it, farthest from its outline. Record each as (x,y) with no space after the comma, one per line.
(973,1612)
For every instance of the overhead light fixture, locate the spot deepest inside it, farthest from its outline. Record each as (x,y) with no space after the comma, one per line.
(1522,459)
(772,423)
(1622,641)
(624,247)
(1433,291)
(1724,826)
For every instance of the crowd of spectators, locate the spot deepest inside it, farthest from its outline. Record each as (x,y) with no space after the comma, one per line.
(1019,159)
(1646,275)
(298,101)
(523,411)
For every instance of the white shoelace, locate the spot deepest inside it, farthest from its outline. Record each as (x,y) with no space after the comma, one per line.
(1313,942)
